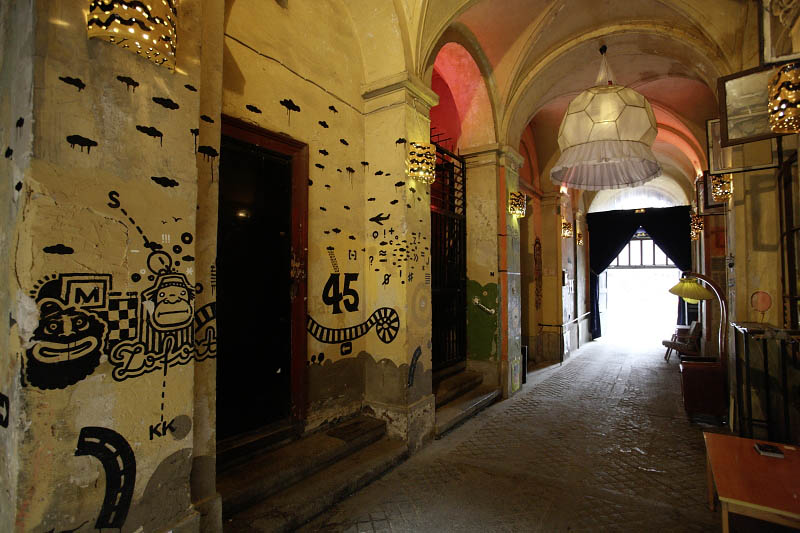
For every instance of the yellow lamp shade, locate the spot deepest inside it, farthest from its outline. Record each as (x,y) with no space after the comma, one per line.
(421,162)
(691,291)
(149,30)
(784,96)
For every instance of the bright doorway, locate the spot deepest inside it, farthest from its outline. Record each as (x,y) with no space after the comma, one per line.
(639,307)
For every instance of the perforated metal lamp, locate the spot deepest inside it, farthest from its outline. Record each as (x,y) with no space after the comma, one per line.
(605,138)
(689,288)
(784,97)
(149,30)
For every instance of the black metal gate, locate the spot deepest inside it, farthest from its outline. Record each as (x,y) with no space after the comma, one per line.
(449,260)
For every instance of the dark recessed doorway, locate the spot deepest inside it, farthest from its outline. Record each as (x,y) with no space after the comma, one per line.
(260,281)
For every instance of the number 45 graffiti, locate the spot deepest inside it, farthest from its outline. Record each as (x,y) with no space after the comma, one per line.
(332,296)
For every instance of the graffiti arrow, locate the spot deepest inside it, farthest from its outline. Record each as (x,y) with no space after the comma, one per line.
(379,218)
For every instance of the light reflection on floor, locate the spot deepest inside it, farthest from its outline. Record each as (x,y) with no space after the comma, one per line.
(641,311)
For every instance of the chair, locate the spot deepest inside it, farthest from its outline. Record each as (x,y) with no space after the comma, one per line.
(685,341)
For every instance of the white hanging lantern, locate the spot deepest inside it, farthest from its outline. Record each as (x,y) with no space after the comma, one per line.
(605,138)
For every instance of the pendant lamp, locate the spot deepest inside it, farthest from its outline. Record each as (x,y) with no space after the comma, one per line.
(605,138)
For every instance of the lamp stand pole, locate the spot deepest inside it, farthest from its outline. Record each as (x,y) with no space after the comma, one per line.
(723,321)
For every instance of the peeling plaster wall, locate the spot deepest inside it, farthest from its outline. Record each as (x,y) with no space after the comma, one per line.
(105,247)
(16,144)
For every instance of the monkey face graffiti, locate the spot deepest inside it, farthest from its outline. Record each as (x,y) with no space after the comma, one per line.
(68,344)
(171,298)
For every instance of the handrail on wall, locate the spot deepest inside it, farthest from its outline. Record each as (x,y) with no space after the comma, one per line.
(561,332)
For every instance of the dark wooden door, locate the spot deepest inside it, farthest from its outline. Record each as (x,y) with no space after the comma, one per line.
(256,286)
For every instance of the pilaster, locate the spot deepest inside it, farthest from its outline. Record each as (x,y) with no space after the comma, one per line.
(397,210)
(493,266)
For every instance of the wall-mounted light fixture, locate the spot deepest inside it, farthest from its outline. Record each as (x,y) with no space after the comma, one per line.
(784,95)
(421,162)
(566,229)
(721,187)
(148,29)
(695,226)
(516,204)
(579,238)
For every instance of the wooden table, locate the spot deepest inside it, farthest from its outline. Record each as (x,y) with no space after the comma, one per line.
(748,483)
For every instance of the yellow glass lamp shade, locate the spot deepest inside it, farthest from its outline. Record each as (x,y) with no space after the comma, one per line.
(784,95)
(605,139)
(516,204)
(691,291)
(421,162)
(149,30)
(721,187)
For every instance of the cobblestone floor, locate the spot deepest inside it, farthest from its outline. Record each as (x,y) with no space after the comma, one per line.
(599,444)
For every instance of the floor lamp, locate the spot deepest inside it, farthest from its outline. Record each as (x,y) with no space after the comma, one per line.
(689,288)
(704,380)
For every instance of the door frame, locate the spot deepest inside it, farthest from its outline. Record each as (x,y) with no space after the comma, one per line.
(298,152)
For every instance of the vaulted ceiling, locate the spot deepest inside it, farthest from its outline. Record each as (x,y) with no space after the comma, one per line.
(536,55)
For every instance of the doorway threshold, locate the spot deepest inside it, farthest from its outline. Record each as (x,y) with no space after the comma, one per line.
(237,449)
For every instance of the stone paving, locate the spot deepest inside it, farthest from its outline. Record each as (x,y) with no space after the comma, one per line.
(599,444)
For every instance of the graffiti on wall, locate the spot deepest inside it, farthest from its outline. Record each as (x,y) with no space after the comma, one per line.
(385,320)
(72,330)
(119,464)
(82,318)
(4,410)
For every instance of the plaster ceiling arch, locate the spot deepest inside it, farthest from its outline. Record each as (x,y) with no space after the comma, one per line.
(632,57)
(433,18)
(462,77)
(656,193)
(518,32)
(383,35)
(270,28)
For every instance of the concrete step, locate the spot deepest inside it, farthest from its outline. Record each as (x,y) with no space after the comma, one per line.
(266,474)
(454,386)
(291,508)
(464,407)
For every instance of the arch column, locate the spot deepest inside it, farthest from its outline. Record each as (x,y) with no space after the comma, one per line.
(494,295)
(397,382)
(552,261)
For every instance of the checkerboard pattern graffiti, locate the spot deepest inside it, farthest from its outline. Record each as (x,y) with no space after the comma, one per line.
(121,317)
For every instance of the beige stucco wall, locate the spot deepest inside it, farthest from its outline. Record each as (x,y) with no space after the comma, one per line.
(81,273)
(16,143)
